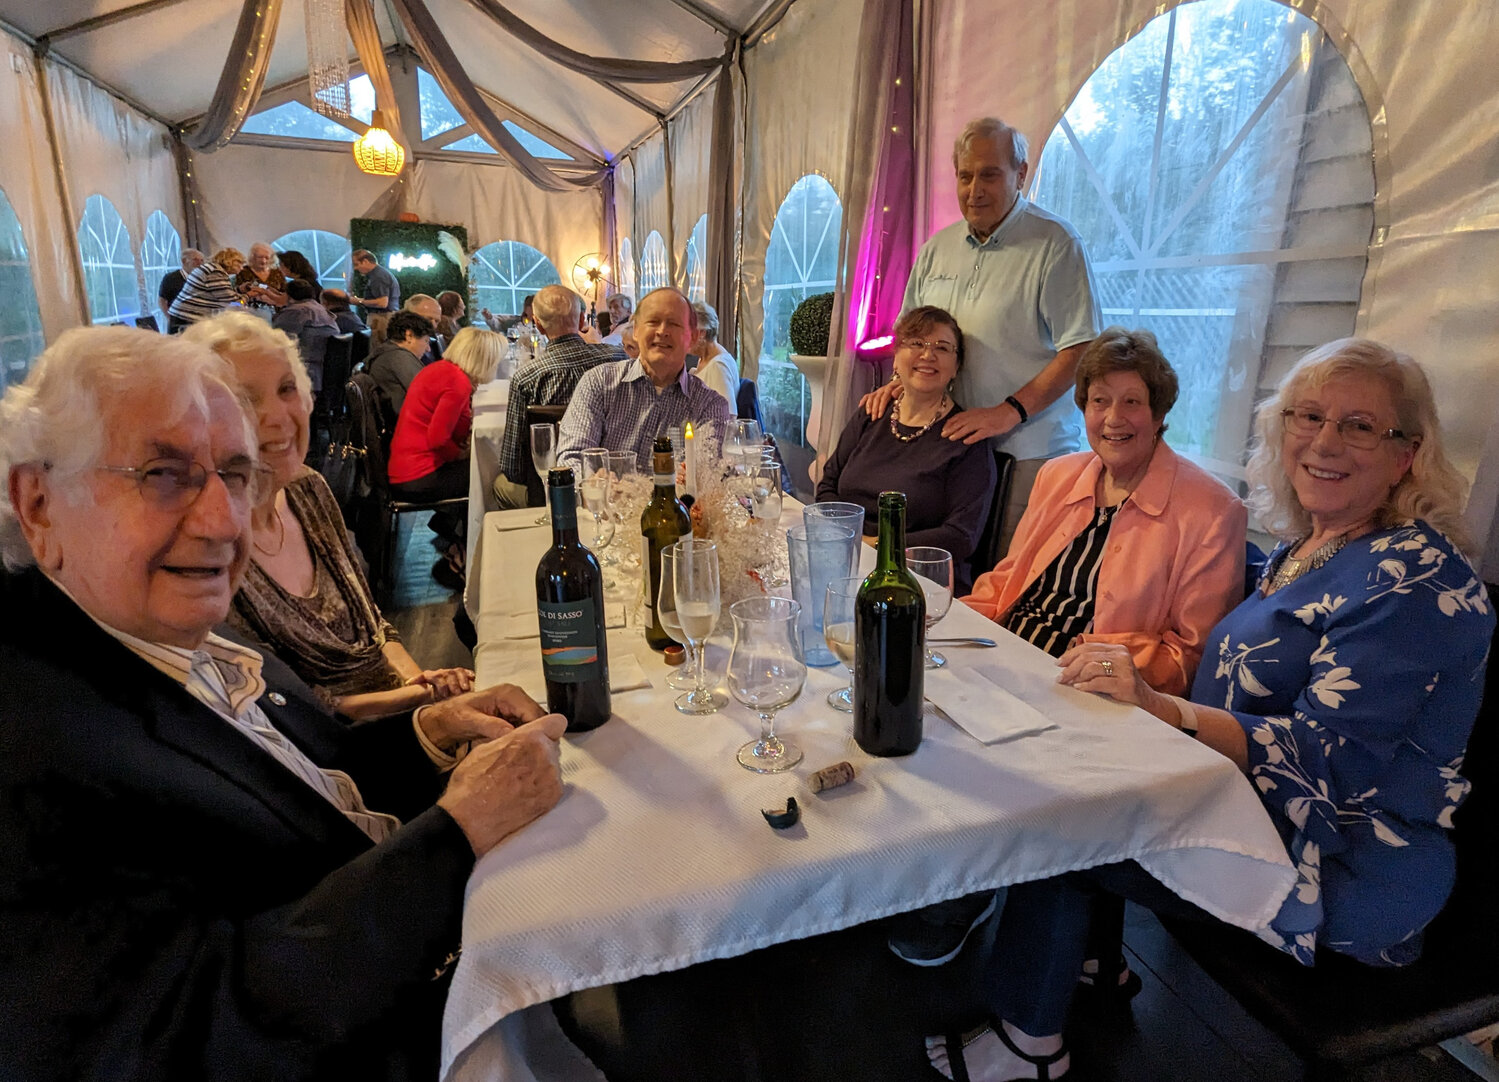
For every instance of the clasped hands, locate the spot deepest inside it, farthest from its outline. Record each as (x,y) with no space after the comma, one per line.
(512,775)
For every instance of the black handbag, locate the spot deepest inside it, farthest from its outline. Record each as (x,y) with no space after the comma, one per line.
(343,468)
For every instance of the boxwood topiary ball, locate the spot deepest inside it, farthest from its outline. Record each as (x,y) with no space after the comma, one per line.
(810,325)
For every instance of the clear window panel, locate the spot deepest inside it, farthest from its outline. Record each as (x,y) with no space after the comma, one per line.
(802,261)
(161,253)
(653,271)
(362,98)
(1183,164)
(472,144)
(534,144)
(296,121)
(20,320)
(505,272)
(696,261)
(625,268)
(109,276)
(327,252)
(438,114)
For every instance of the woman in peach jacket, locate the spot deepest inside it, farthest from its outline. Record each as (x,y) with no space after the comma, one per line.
(1126,543)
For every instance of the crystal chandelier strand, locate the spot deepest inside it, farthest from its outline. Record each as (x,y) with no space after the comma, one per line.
(328,58)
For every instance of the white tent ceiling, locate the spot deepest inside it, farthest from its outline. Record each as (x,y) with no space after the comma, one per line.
(166,55)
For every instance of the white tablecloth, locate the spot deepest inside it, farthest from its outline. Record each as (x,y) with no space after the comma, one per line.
(490,402)
(657,856)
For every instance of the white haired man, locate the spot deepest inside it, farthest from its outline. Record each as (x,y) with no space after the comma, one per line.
(549,380)
(193,885)
(621,307)
(1018,282)
(261,283)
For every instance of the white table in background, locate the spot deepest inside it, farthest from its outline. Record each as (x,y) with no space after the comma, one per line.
(657,857)
(490,403)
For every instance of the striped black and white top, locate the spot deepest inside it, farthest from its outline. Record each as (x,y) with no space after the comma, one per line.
(1059,604)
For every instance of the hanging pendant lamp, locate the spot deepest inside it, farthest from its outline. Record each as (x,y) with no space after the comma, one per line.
(377,152)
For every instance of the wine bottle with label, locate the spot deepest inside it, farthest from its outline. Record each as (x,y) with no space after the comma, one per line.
(570,610)
(663,523)
(889,629)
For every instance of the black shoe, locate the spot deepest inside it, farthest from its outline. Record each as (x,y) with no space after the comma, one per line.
(1106,989)
(444,574)
(935,935)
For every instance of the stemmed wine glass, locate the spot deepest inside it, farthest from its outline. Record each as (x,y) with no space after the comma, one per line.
(683,677)
(765,491)
(595,491)
(743,446)
(933,567)
(766,674)
(695,593)
(544,457)
(838,633)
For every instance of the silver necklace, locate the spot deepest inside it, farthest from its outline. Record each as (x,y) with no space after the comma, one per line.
(922,431)
(1290,568)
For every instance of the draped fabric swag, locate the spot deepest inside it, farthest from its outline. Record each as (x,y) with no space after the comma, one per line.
(242,79)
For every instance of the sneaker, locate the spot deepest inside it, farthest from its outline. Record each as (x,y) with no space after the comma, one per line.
(935,935)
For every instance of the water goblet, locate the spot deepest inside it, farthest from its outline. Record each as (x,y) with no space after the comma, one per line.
(742,447)
(543,457)
(933,567)
(765,491)
(696,595)
(838,633)
(625,502)
(597,492)
(766,674)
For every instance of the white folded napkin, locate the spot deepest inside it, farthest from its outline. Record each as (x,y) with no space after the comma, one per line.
(626,673)
(973,700)
(517,523)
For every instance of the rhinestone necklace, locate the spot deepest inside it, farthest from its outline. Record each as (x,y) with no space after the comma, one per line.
(1290,568)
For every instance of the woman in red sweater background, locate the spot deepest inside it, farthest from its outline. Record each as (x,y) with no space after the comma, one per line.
(429,451)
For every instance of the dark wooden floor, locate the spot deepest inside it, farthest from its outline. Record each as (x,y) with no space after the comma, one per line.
(842,1007)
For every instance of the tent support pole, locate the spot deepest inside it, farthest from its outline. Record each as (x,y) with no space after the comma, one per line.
(671,204)
(75,257)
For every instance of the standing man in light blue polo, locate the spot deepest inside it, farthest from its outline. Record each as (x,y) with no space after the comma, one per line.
(1019,284)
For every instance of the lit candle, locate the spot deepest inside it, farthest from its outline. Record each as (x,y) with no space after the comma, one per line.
(689,445)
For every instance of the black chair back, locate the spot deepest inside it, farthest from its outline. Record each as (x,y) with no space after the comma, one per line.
(367,427)
(536,491)
(312,344)
(988,553)
(147,323)
(359,348)
(336,371)
(747,403)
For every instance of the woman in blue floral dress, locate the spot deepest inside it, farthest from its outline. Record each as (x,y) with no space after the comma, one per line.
(1345,687)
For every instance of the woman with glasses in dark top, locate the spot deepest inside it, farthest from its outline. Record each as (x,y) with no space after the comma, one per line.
(948,484)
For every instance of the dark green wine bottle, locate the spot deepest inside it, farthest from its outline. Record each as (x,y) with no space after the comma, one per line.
(570,610)
(663,523)
(889,634)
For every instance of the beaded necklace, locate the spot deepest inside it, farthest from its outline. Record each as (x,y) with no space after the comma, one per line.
(1289,569)
(922,431)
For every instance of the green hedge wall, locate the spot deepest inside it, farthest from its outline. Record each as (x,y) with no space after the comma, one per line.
(412,239)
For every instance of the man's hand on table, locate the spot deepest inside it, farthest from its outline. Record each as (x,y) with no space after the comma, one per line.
(477,715)
(970,426)
(505,783)
(877,401)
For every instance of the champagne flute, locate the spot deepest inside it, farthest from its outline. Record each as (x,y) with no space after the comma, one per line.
(543,457)
(744,443)
(933,569)
(766,674)
(681,677)
(696,594)
(838,633)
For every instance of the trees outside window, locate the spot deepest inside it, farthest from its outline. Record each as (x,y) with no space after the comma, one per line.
(20,321)
(625,268)
(802,260)
(109,275)
(505,272)
(1218,167)
(161,252)
(327,252)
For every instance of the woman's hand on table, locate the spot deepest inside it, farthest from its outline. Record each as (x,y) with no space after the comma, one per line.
(445,683)
(481,715)
(506,783)
(1106,668)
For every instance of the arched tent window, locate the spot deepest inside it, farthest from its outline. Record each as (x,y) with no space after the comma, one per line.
(697,261)
(625,268)
(505,272)
(327,252)
(114,293)
(653,273)
(1218,167)
(20,321)
(161,253)
(802,260)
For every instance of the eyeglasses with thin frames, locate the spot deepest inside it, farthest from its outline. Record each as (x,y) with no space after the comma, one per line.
(1358,432)
(945,350)
(172,484)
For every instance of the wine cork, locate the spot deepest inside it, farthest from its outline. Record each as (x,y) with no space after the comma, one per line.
(830,777)
(675,655)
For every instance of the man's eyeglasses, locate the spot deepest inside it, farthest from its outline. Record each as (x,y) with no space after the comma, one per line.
(1359,432)
(173,484)
(945,350)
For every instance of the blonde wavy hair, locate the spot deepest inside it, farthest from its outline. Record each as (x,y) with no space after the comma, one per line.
(477,352)
(1431,489)
(234,332)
